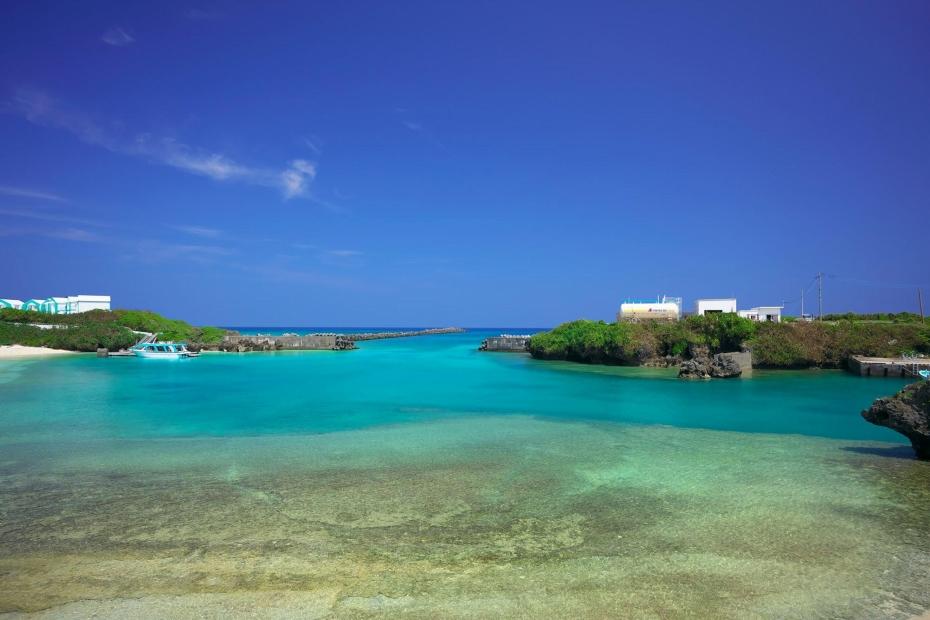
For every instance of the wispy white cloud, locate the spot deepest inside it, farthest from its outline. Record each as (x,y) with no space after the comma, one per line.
(199,231)
(38,108)
(314,144)
(67,234)
(46,216)
(117,37)
(304,246)
(297,178)
(21,192)
(418,128)
(344,253)
(158,251)
(73,234)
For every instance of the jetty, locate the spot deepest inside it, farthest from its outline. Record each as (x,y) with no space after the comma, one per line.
(239,343)
(510,343)
(888,366)
(405,334)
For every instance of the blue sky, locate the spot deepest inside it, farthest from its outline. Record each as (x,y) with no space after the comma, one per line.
(483,163)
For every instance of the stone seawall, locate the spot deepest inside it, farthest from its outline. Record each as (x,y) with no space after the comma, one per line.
(887,366)
(311,342)
(512,344)
(238,343)
(406,334)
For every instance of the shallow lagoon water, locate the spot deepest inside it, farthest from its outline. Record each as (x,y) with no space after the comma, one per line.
(419,477)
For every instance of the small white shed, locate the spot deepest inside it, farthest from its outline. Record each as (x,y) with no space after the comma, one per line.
(714,306)
(770,314)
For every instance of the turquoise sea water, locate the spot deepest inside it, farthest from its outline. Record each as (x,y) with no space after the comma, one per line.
(420,477)
(408,380)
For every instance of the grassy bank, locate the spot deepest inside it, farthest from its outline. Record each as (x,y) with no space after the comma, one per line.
(827,344)
(99,328)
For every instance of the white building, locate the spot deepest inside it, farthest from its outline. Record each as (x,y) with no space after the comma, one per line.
(60,305)
(84,303)
(664,309)
(714,306)
(771,314)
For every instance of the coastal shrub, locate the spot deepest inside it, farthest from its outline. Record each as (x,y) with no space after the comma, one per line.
(597,342)
(798,344)
(676,338)
(888,317)
(148,321)
(591,342)
(830,345)
(88,337)
(722,332)
(207,335)
(80,331)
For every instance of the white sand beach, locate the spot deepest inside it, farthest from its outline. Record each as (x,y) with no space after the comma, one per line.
(17,351)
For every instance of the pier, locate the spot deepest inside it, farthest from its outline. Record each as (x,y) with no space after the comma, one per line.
(888,366)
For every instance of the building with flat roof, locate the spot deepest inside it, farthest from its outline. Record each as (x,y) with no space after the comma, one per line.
(73,304)
(714,306)
(771,314)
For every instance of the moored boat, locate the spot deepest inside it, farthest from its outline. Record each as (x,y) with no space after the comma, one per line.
(162,350)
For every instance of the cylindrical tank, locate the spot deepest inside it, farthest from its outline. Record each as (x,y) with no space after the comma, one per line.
(640,311)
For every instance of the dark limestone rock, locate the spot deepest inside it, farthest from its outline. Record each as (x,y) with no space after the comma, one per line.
(725,367)
(662,362)
(717,367)
(907,412)
(694,369)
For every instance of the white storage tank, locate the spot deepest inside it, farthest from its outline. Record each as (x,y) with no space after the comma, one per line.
(664,309)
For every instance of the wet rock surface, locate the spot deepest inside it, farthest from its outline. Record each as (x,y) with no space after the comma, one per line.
(907,412)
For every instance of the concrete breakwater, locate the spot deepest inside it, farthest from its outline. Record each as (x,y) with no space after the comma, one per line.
(506,342)
(406,334)
(238,343)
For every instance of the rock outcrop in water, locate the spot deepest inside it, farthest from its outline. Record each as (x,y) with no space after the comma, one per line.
(907,412)
(720,366)
(704,366)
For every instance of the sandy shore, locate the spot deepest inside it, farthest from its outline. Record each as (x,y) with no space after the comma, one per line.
(16,351)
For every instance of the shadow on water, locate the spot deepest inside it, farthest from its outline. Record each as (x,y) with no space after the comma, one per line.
(894,452)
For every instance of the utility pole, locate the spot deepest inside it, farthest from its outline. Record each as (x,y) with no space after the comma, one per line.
(802,304)
(920,302)
(820,294)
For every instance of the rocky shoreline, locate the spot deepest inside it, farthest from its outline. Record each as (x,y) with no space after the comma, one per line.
(703,365)
(234,342)
(908,413)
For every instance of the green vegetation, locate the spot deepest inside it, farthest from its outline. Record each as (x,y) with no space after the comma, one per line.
(887,317)
(168,329)
(88,337)
(796,344)
(830,344)
(99,328)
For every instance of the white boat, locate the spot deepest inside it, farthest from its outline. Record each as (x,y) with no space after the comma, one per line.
(162,350)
